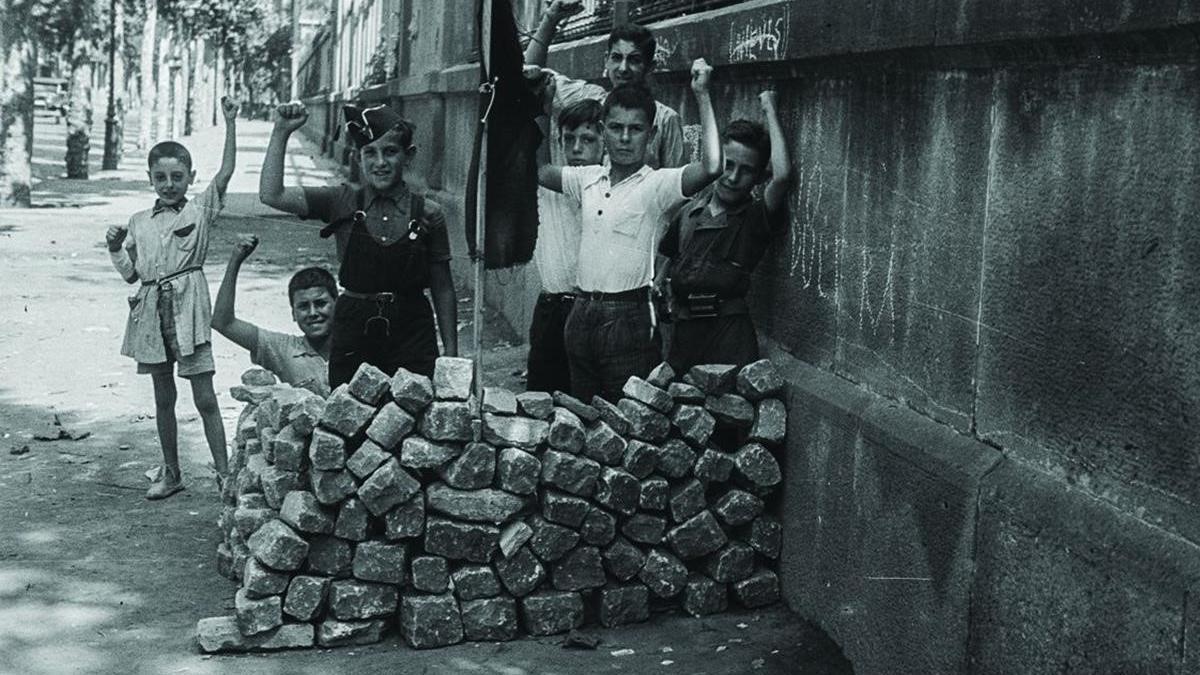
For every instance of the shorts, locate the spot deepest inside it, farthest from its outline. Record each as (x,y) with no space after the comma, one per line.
(199,362)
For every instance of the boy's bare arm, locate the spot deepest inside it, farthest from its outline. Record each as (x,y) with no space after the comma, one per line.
(229,108)
(288,118)
(549,175)
(699,174)
(120,258)
(775,192)
(224,319)
(539,44)
(445,306)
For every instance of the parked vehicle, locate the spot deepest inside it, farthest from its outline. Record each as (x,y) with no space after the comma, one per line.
(50,97)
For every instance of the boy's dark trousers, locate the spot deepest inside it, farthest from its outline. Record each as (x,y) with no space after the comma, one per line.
(390,332)
(610,337)
(547,366)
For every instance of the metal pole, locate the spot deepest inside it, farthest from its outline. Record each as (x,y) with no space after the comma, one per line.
(485,51)
(110,119)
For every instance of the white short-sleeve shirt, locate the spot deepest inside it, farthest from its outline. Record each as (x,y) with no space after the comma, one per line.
(622,223)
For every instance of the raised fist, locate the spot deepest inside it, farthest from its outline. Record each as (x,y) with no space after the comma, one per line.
(290,116)
(244,246)
(701,75)
(230,108)
(115,237)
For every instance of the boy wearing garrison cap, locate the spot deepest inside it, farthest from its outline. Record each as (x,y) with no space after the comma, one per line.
(392,244)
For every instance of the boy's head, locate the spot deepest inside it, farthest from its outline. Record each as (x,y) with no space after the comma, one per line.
(170,171)
(746,147)
(628,124)
(384,141)
(630,55)
(580,129)
(311,293)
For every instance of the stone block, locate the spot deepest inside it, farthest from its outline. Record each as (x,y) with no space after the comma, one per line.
(388,486)
(622,559)
(766,535)
(618,491)
(640,459)
(266,437)
(260,581)
(536,404)
(256,615)
(390,426)
(625,604)
(520,573)
(578,570)
(770,422)
(475,582)
(564,509)
(661,376)
(331,487)
(369,384)
(355,600)
(603,444)
(345,414)
(447,421)
(474,542)
(305,598)
(551,612)
(759,380)
(566,431)
(570,473)
(486,505)
(703,596)
(278,546)
(734,562)
(305,416)
(730,409)
(421,453)
(738,507)
(712,378)
(499,401)
(697,536)
(490,619)
(551,541)
(757,465)
(642,391)
(759,590)
(517,471)
(475,468)
(249,395)
(382,562)
(289,449)
(675,459)
(514,536)
(333,633)
(644,528)
(326,451)
(663,574)
(406,520)
(366,459)
(655,494)
(411,391)
(430,621)
(252,500)
(225,562)
(352,520)
(221,634)
(584,411)
(329,556)
(249,479)
(598,528)
(611,415)
(269,418)
(518,432)
(276,483)
(303,512)
(683,392)
(694,423)
(713,466)
(430,574)
(247,521)
(258,377)
(687,499)
(452,378)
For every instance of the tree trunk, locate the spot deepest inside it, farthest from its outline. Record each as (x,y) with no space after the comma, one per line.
(195,88)
(146,126)
(182,72)
(16,108)
(114,117)
(79,113)
(163,126)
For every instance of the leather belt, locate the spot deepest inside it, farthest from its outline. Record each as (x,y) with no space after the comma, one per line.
(708,306)
(636,294)
(172,276)
(556,297)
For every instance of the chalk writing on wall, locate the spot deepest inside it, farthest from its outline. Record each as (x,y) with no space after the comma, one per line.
(814,244)
(763,37)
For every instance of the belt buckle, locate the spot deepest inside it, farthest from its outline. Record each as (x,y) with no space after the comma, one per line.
(385,297)
(702,305)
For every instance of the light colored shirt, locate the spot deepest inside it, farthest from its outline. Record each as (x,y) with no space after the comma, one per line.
(622,223)
(292,359)
(159,246)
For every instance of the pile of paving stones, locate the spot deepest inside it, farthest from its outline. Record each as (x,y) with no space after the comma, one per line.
(397,504)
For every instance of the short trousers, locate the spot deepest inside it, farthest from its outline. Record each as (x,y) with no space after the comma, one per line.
(199,362)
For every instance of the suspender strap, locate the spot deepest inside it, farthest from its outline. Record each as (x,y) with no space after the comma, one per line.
(328,230)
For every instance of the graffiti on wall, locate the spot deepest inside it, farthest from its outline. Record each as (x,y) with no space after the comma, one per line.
(761,37)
